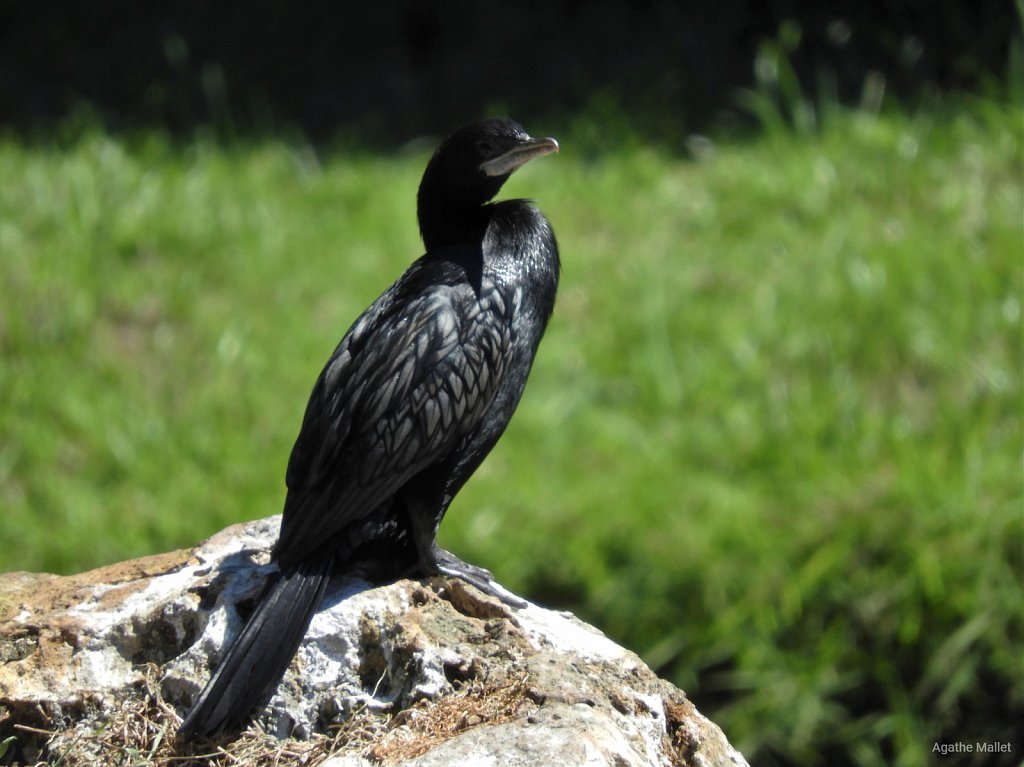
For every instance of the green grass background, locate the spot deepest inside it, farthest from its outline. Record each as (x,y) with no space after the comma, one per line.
(772,441)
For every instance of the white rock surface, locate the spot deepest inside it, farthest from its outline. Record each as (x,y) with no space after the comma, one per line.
(440,673)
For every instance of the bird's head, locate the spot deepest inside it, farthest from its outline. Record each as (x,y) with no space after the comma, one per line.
(471,165)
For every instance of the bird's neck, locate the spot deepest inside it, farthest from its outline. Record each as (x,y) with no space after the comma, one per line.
(446,222)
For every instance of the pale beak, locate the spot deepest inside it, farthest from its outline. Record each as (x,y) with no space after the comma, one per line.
(519,155)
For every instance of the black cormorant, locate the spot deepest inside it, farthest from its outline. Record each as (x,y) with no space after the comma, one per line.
(414,397)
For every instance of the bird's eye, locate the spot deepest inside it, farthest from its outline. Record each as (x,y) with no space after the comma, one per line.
(485,146)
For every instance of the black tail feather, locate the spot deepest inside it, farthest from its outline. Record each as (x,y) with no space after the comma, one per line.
(260,655)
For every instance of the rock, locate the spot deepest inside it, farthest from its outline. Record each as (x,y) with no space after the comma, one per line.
(418,674)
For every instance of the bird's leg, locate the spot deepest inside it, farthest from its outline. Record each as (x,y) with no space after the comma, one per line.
(433,560)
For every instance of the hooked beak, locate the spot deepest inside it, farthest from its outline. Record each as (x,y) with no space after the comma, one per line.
(518,156)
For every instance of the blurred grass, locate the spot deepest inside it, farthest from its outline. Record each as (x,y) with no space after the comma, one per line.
(772,441)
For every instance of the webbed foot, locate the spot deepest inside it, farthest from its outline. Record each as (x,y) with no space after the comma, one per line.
(446,563)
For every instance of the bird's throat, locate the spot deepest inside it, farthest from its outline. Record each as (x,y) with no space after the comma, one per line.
(444,222)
